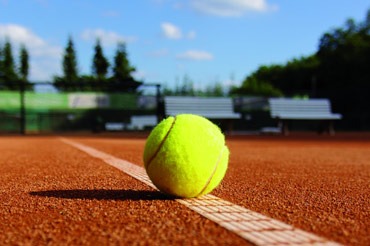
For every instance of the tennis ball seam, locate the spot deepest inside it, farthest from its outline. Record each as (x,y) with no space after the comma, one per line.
(161,144)
(213,172)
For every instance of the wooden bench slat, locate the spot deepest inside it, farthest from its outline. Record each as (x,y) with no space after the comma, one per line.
(212,108)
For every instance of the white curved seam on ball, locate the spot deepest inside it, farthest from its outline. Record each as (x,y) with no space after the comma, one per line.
(160,145)
(213,172)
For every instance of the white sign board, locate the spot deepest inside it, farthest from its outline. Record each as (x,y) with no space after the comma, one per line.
(84,101)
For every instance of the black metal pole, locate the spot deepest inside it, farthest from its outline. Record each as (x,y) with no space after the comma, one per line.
(22,109)
(159,110)
(158,97)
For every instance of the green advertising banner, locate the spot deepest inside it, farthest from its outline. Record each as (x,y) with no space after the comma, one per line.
(46,101)
(10,101)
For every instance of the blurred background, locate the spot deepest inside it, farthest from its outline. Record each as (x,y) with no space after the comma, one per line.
(92,66)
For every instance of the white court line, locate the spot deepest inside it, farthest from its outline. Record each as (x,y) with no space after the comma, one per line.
(252,226)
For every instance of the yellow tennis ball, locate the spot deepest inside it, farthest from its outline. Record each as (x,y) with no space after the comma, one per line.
(186,156)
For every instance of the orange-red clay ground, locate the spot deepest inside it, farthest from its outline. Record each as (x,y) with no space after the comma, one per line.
(52,193)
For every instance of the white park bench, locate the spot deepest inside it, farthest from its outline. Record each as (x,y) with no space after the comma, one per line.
(209,107)
(284,109)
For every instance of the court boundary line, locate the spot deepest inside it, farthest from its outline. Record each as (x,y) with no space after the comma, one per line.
(251,226)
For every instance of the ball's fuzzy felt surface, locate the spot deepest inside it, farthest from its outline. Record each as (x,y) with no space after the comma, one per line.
(186,156)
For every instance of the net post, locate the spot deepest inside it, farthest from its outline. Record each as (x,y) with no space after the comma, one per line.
(22,109)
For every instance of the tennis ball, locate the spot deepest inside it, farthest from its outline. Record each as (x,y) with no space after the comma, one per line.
(186,156)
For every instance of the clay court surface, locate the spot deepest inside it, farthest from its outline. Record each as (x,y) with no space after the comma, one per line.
(52,193)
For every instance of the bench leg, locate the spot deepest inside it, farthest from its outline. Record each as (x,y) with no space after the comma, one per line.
(283,126)
(331,128)
(226,126)
(326,127)
(229,126)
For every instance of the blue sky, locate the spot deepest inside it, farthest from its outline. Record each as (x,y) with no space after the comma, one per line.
(207,40)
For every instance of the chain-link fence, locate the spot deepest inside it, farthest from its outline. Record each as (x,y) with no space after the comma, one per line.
(44,109)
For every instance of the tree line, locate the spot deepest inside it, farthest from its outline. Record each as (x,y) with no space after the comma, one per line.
(11,72)
(104,75)
(186,88)
(340,65)
(339,70)
(120,78)
(341,61)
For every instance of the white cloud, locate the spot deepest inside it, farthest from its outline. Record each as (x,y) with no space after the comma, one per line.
(171,31)
(108,38)
(196,55)
(231,8)
(45,58)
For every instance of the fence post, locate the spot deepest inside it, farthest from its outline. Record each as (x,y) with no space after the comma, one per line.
(158,97)
(22,109)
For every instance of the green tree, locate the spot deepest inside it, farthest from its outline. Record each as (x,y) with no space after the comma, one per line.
(253,87)
(216,90)
(70,70)
(70,77)
(9,69)
(295,77)
(344,73)
(344,54)
(1,64)
(187,87)
(100,63)
(122,69)
(24,67)
(339,70)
